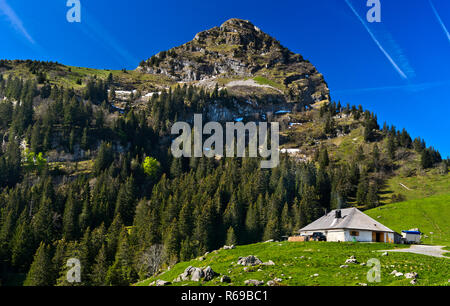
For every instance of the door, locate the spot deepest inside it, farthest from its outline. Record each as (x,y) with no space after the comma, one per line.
(377,237)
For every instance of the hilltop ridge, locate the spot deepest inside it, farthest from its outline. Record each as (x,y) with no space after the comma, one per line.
(239,50)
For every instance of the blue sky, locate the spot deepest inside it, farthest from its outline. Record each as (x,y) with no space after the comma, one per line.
(398,68)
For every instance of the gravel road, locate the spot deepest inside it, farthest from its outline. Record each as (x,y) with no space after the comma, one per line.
(430,250)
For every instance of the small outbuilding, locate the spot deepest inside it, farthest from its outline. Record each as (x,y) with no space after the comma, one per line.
(349,224)
(412,236)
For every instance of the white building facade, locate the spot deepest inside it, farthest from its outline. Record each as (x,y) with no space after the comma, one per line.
(349,225)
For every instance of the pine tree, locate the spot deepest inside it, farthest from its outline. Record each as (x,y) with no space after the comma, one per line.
(330,125)
(231,237)
(361,193)
(59,258)
(171,243)
(112,238)
(391,146)
(286,220)
(35,143)
(273,229)
(85,139)
(104,157)
(324,159)
(125,204)
(70,218)
(100,268)
(85,218)
(309,208)
(22,244)
(42,222)
(372,197)
(121,272)
(176,168)
(253,223)
(426,160)
(41,271)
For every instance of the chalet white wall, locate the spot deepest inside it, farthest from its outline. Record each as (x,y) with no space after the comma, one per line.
(337,235)
(364,236)
(344,235)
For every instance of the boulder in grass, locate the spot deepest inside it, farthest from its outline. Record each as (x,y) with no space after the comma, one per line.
(186,275)
(197,275)
(161,283)
(225,279)
(269,263)
(249,261)
(412,275)
(352,260)
(209,274)
(253,282)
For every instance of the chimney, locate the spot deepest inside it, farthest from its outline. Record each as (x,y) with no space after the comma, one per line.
(338,214)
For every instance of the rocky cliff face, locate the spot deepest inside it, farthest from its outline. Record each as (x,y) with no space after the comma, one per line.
(239,50)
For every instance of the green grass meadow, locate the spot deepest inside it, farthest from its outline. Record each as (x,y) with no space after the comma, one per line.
(297,262)
(431,215)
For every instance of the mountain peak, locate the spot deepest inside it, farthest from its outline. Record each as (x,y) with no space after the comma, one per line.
(239,50)
(238,24)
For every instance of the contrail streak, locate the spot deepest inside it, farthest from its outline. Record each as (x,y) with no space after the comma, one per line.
(410,88)
(15,21)
(391,60)
(440,20)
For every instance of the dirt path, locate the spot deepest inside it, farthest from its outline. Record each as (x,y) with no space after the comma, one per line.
(430,250)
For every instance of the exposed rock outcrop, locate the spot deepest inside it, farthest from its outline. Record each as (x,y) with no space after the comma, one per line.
(238,49)
(196,274)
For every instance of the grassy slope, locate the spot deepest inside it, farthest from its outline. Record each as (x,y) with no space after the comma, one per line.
(67,76)
(429,215)
(323,258)
(423,185)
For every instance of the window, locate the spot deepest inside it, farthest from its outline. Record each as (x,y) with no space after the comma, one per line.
(354,233)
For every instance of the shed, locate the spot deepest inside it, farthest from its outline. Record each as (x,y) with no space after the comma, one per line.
(412,236)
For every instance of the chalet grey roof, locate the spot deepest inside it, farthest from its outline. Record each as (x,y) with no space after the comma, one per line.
(352,218)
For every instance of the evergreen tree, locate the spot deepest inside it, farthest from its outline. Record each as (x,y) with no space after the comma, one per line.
(324,160)
(372,197)
(100,268)
(286,221)
(22,244)
(231,237)
(70,218)
(426,160)
(42,222)
(121,272)
(104,158)
(40,273)
(125,205)
(253,223)
(363,189)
